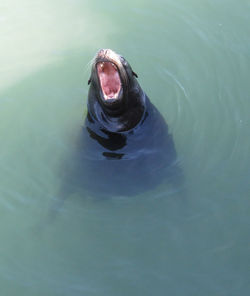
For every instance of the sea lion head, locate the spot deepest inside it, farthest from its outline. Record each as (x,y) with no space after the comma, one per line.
(112,82)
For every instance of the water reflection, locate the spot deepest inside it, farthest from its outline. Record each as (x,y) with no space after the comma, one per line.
(112,142)
(34,35)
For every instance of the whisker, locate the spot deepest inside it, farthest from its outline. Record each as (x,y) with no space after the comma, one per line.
(88,66)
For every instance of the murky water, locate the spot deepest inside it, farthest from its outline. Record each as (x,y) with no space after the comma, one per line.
(193,61)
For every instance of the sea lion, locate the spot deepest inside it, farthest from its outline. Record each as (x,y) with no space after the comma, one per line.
(125,147)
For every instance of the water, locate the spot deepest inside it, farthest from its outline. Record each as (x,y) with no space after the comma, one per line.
(193,61)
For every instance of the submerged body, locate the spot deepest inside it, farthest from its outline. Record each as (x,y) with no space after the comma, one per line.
(124,147)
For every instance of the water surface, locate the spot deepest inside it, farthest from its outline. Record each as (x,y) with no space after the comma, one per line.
(193,61)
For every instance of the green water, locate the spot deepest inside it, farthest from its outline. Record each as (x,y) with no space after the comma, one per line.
(193,61)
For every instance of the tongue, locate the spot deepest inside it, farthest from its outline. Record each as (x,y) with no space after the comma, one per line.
(109,79)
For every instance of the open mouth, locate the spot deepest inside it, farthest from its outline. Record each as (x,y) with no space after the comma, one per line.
(109,79)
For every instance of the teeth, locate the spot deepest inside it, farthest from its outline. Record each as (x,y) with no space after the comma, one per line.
(113,65)
(102,65)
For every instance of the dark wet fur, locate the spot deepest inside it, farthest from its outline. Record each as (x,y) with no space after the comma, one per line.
(109,164)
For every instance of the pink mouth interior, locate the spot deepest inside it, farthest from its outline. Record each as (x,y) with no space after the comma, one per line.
(109,80)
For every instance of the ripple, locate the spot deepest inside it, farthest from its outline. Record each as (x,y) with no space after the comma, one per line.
(205,112)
